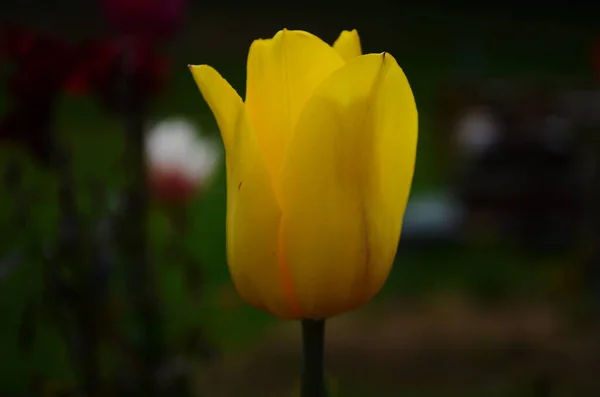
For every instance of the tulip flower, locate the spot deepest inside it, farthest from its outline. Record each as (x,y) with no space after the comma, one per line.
(180,160)
(320,159)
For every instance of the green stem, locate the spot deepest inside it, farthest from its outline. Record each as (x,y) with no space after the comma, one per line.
(313,379)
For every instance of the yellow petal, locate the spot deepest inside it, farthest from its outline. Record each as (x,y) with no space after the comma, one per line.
(253,215)
(222,99)
(345,185)
(283,73)
(348,45)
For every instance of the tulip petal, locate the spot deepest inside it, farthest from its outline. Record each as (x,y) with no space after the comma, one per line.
(348,45)
(345,184)
(253,214)
(223,100)
(283,73)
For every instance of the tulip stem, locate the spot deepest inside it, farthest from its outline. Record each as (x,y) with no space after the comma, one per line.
(313,338)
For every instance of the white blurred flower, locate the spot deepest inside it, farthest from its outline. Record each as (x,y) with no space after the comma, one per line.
(477,131)
(180,159)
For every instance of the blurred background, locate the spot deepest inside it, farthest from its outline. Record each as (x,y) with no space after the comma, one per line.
(113,277)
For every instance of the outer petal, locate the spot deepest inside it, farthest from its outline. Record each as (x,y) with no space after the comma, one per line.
(253,215)
(348,45)
(345,185)
(283,73)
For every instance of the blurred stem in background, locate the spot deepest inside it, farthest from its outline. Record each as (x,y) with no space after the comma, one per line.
(76,293)
(593,223)
(43,64)
(313,341)
(196,343)
(68,279)
(77,265)
(141,283)
(13,182)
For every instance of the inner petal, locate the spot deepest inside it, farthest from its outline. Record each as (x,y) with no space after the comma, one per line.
(283,72)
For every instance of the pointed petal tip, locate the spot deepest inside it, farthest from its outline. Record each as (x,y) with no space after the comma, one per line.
(348,44)
(386,57)
(201,66)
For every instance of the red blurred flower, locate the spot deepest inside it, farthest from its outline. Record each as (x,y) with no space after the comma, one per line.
(152,18)
(171,186)
(41,66)
(42,62)
(104,65)
(44,67)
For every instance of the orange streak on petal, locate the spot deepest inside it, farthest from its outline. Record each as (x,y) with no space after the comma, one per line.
(286,278)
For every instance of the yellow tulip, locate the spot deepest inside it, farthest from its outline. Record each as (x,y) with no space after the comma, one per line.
(320,159)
